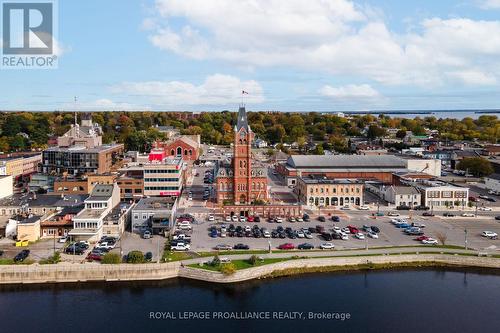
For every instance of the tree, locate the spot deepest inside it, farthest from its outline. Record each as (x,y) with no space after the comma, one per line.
(253,260)
(477,166)
(442,237)
(375,131)
(227,269)
(111,258)
(401,134)
(135,257)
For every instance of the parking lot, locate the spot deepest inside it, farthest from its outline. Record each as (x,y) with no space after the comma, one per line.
(451,230)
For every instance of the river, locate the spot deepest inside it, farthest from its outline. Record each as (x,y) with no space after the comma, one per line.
(429,300)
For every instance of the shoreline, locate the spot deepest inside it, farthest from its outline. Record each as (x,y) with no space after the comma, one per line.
(78,273)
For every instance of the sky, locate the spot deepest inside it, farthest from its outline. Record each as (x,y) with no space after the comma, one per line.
(289,55)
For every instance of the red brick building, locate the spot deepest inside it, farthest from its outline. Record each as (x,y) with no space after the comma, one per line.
(185,146)
(243,181)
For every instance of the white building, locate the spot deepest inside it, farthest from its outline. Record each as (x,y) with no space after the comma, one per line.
(6,186)
(153,214)
(395,195)
(441,195)
(88,223)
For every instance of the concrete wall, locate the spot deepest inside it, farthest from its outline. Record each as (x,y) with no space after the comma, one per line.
(6,186)
(15,274)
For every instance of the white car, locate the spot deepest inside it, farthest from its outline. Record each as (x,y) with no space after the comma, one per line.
(266,234)
(373,235)
(291,219)
(364,207)
(346,207)
(337,229)
(392,214)
(106,245)
(299,219)
(345,230)
(248,229)
(308,235)
(63,239)
(359,235)
(485,209)
(489,234)
(278,220)
(468,215)
(430,241)
(228,218)
(211,218)
(184,226)
(243,219)
(234,218)
(327,246)
(180,247)
(223,233)
(344,236)
(300,234)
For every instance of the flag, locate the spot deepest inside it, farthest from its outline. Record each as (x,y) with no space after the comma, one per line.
(243,92)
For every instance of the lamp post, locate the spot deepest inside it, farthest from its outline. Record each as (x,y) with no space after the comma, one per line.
(465,239)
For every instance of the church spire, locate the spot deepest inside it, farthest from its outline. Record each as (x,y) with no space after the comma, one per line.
(242,119)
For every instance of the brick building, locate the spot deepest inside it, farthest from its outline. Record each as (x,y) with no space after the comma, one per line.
(185,146)
(243,181)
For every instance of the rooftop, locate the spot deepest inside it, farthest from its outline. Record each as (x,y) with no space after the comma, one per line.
(43,200)
(155,203)
(101,191)
(312,179)
(83,149)
(345,161)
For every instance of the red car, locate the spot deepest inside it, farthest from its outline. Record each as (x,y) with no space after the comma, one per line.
(250,219)
(421,238)
(352,229)
(286,246)
(93,256)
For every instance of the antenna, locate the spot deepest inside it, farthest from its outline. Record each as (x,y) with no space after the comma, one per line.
(75,100)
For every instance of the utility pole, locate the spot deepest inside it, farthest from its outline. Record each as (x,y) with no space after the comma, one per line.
(158,249)
(465,231)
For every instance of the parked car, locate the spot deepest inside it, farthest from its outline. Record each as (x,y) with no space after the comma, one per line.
(305,246)
(418,225)
(250,219)
(421,208)
(403,207)
(256,219)
(327,236)
(468,215)
(449,215)
(372,234)
(21,256)
(240,246)
(427,214)
(63,239)
(327,246)
(321,218)
(97,256)
(335,218)
(180,247)
(485,209)
(211,218)
(146,234)
(306,217)
(148,256)
(359,235)
(375,229)
(430,241)
(223,247)
(363,207)
(392,214)
(346,207)
(497,217)
(421,238)
(286,246)
(74,249)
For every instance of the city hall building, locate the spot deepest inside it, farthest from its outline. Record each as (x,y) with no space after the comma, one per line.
(243,181)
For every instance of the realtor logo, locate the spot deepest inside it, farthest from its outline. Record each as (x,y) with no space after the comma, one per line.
(28,34)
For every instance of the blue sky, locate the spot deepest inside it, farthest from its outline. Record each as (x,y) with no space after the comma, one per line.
(324,55)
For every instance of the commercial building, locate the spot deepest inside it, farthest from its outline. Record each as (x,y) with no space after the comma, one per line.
(38,204)
(439,195)
(82,185)
(408,196)
(364,167)
(88,223)
(319,191)
(243,181)
(19,166)
(87,134)
(79,160)
(28,228)
(153,214)
(60,223)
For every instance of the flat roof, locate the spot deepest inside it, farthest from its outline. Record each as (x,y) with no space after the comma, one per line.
(153,203)
(321,180)
(345,161)
(43,200)
(83,149)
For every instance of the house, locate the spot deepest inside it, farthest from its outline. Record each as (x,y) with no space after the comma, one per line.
(88,223)
(403,196)
(259,143)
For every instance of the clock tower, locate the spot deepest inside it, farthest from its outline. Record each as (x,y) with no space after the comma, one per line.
(242,161)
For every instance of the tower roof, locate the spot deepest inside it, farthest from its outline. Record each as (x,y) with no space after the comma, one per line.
(242,119)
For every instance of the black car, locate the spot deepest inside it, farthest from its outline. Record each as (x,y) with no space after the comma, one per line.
(403,207)
(375,229)
(74,249)
(321,218)
(241,247)
(497,217)
(421,208)
(21,256)
(335,218)
(305,217)
(490,199)
(1,253)
(291,235)
(312,230)
(148,256)
(327,236)
(427,214)
(274,234)
(320,229)
(256,219)
(282,235)
(305,246)
(448,215)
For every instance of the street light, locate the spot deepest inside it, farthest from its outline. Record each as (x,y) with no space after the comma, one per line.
(465,240)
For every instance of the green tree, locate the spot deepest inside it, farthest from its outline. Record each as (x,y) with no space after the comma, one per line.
(135,257)
(477,166)
(228,268)
(375,131)
(111,258)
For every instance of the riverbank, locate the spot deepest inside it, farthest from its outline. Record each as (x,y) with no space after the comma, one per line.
(68,273)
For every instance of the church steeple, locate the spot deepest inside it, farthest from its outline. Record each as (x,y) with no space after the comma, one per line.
(242,119)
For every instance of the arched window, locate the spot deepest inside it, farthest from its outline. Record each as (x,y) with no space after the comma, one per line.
(190,152)
(172,152)
(185,152)
(179,151)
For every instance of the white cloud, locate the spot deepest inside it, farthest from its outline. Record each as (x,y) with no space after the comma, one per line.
(217,89)
(350,91)
(489,4)
(336,36)
(104,104)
